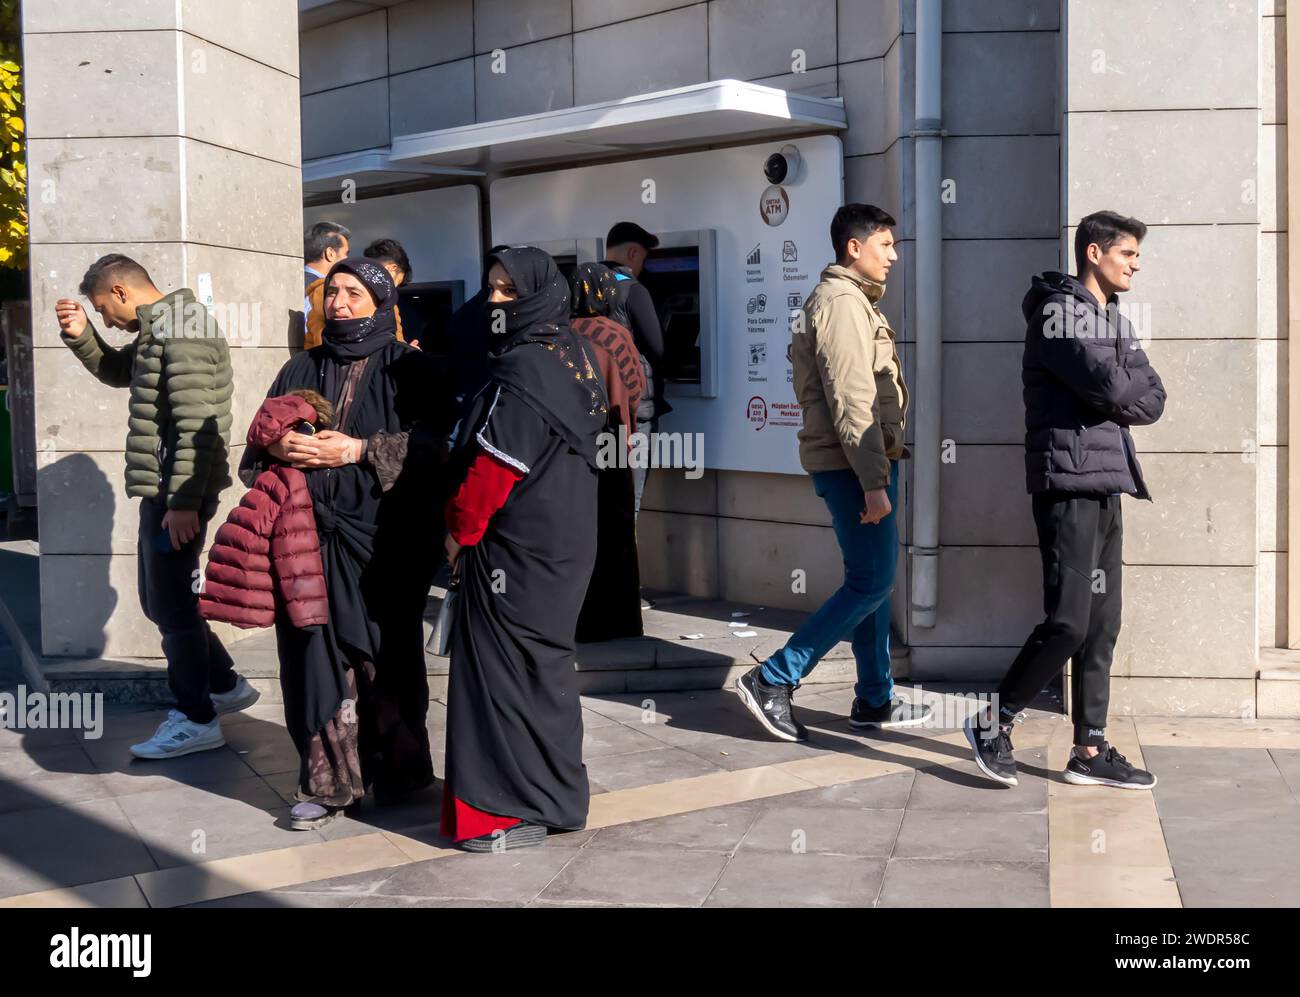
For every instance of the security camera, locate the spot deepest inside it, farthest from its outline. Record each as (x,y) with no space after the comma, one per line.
(783,166)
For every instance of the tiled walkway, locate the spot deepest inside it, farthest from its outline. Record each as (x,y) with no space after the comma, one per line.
(692,806)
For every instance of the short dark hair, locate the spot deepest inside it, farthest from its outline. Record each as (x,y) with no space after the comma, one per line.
(622,233)
(323,236)
(857,221)
(113,269)
(389,251)
(1105,228)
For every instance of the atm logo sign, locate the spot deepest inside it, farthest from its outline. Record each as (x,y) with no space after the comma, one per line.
(774,205)
(757,412)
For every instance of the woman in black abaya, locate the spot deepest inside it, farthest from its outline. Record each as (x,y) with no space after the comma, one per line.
(355,690)
(522,536)
(612,608)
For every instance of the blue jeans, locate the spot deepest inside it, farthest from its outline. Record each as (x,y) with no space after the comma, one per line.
(861,604)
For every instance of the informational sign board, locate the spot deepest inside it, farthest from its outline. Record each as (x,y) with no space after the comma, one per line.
(439,229)
(772,242)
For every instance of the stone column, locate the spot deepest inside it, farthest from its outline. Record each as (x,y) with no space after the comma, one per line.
(1162,121)
(167,130)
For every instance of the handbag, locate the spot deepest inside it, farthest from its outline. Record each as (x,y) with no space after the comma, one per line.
(440,639)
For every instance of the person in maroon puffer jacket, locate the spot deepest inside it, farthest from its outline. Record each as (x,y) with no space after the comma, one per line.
(265,559)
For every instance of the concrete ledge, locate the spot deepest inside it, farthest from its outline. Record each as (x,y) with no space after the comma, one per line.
(1279,664)
(20,606)
(1277,693)
(1277,700)
(661,660)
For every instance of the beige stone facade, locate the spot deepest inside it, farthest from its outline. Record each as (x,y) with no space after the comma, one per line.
(1170,110)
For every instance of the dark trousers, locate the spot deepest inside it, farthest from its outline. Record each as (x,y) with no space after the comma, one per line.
(169,581)
(1081,539)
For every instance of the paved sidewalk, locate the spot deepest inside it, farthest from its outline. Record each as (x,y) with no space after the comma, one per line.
(689,643)
(691,806)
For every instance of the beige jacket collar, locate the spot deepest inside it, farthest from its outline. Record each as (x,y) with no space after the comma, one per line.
(873,289)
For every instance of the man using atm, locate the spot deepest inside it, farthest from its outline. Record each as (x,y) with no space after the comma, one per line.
(626,248)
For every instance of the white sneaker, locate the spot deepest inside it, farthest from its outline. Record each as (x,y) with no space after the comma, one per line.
(173,716)
(179,735)
(241,697)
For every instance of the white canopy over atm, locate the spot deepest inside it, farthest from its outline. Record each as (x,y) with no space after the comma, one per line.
(560,178)
(720,112)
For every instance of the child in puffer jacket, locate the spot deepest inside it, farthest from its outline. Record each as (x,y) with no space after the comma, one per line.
(265,559)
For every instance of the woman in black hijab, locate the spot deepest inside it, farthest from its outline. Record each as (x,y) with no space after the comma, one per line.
(612,608)
(522,537)
(355,690)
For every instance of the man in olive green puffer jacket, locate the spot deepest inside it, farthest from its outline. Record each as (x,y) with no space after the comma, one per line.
(177,463)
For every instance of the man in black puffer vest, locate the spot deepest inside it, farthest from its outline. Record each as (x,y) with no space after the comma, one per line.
(1086,381)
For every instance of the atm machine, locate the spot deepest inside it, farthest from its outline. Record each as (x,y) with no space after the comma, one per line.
(679,274)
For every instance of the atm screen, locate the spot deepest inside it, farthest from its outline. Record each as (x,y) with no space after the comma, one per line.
(672,276)
(566,264)
(426,309)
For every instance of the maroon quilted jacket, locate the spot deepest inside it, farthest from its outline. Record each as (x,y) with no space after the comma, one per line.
(265,558)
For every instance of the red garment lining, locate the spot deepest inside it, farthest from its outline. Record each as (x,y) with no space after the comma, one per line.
(484,490)
(460,821)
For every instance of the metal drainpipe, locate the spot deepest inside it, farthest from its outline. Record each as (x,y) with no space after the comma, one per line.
(1292,275)
(927,140)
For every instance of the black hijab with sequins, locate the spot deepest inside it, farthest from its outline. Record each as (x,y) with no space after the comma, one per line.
(351,339)
(535,355)
(594,289)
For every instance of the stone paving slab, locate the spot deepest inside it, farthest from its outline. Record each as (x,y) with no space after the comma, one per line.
(662,659)
(850,819)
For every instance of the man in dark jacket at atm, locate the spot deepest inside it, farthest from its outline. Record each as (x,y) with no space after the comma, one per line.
(1086,381)
(626,249)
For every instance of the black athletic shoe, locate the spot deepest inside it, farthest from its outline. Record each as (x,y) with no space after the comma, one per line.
(770,705)
(896,713)
(519,836)
(1109,768)
(993,754)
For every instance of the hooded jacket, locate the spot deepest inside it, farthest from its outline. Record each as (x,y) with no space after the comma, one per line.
(265,560)
(848,380)
(1086,380)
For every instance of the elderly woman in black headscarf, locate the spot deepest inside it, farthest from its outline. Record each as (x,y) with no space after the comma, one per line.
(355,690)
(522,537)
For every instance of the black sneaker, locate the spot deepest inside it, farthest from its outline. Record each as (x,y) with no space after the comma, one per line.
(520,836)
(993,754)
(1109,768)
(770,705)
(897,712)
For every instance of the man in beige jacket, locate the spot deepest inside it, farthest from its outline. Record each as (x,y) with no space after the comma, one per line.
(850,386)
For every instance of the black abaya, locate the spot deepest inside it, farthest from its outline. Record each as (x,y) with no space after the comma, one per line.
(514,727)
(514,721)
(379,553)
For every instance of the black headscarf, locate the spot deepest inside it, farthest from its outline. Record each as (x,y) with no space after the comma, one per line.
(468,340)
(594,290)
(346,340)
(535,355)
